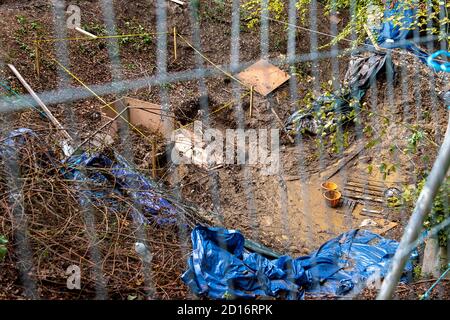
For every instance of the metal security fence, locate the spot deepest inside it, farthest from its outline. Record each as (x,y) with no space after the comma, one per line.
(346,102)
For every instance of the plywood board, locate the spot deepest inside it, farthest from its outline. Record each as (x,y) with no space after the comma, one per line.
(263,76)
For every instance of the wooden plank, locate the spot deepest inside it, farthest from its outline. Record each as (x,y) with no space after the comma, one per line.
(345,162)
(140,113)
(365,186)
(363,198)
(36,98)
(143,113)
(364,191)
(84,32)
(178,2)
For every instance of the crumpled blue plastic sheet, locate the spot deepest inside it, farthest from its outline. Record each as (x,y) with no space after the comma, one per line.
(361,73)
(394,35)
(9,145)
(103,175)
(220,268)
(115,174)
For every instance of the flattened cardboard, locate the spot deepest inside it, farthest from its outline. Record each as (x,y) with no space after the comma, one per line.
(140,113)
(263,76)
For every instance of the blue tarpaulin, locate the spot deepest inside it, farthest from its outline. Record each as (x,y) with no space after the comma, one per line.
(220,267)
(361,73)
(104,175)
(115,175)
(394,34)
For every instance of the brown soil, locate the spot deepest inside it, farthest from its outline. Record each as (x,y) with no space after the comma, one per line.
(286,212)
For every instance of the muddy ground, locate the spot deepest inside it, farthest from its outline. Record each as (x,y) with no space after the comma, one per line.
(285,212)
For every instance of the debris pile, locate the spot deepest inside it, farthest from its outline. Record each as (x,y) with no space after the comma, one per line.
(59,199)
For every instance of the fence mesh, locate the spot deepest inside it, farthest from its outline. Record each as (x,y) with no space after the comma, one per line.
(369,119)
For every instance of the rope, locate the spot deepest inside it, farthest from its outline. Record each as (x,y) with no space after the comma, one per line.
(98,97)
(106,104)
(426,295)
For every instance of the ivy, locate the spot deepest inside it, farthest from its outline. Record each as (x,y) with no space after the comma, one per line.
(252,11)
(431,16)
(439,211)
(3,250)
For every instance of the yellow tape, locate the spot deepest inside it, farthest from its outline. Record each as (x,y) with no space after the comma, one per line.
(212,63)
(101,37)
(97,96)
(106,104)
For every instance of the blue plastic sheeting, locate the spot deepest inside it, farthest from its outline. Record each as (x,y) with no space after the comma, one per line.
(8,146)
(102,176)
(115,175)
(394,35)
(220,267)
(439,65)
(361,73)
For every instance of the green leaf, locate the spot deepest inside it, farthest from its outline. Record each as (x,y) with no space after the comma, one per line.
(3,240)
(3,252)
(372,143)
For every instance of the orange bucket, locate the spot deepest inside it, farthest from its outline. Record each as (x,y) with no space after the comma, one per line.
(332,198)
(328,185)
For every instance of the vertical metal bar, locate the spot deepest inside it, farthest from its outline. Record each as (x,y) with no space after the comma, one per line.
(444,28)
(336,87)
(239,113)
(19,218)
(435,105)
(62,54)
(315,72)
(204,97)
(116,72)
(406,108)
(293,85)
(124,132)
(22,246)
(418,88)
(264,29)
(161,63)
(283,194)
